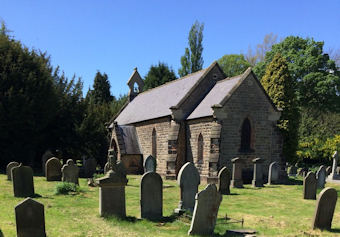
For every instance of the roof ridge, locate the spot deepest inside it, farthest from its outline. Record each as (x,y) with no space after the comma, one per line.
(230,78)
(169,82)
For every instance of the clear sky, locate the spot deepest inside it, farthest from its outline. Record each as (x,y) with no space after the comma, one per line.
(83,36)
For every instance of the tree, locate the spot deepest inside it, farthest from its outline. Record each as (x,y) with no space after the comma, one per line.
(158,75)
(305,57)
(192,60)
(258,55)
(233,64)
(27,101)
(101,89)
(280,87)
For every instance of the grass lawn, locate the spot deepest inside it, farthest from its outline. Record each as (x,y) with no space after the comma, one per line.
(276,210)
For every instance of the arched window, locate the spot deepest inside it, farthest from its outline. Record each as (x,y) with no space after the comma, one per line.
(246,136)
(136,87)
(154,143)
(200,149)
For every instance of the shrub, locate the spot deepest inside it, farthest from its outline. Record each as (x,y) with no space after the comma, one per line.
(65,188)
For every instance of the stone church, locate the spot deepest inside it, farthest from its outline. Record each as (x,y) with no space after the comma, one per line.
(204,118)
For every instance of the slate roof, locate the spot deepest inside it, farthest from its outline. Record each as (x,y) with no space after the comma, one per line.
(215,96)
(156,102)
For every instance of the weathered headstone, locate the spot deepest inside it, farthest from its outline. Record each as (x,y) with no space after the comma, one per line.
(112,192)
(328,170)
(90,166)
(258,173)
(324,210)
(70,172)
(151,196)
(334,175)
(273,175)
(205,213)
(321,177)
(22,177)
(309,186)
(9,168)
(224,177)
(53,169)
(292,171)
(30,219)
(237,181)
(150,164)
(47,155)
(188,180)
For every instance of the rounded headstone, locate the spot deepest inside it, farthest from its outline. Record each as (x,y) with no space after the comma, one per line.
(9,168)
(325,207)
(224,177)
(53,169)
(309,186)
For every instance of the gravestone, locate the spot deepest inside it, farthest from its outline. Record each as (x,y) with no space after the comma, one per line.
(292,171)
(151,196)
(188,180)
(324,210)
(237,181)
(70,172)
(90,166)
(205,213)
(22,177)
(30,219)
(224,177)
(321,177)
(328,170)
(334,175)
(150,164)
(53,169)
(258,173)
(47,155)
(9,168)
(112,192)
(273,175)
(309,186)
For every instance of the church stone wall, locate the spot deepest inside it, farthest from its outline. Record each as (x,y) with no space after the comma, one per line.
(249,101)
(144,133)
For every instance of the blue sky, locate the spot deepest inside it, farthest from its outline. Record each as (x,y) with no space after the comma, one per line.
(116,36)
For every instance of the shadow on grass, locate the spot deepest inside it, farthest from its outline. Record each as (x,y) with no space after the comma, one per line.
(231,194)
(334,230)
(168,186)
(133,219)
(294,182)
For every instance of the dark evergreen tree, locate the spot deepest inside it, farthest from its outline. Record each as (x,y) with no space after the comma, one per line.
(158,75)
(101,89)
(280,87)
(192,61)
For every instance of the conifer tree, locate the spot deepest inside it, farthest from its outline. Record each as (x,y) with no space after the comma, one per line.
(280,87)
(101,89)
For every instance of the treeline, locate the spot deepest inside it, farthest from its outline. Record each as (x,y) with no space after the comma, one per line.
(42,109)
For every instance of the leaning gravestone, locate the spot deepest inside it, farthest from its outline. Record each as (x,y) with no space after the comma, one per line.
(70,172)
(23,181)
(9,168)
(90,166)
(309,186)
(150,164)
(188,180)
(224,177)
(30,219)
(325,207)
(151,196)
(205,213)
(237,181)
(53,169)
(112,192)
(258,173)
(274,171)
(321,177)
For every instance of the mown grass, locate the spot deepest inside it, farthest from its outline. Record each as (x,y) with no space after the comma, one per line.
(276,210)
